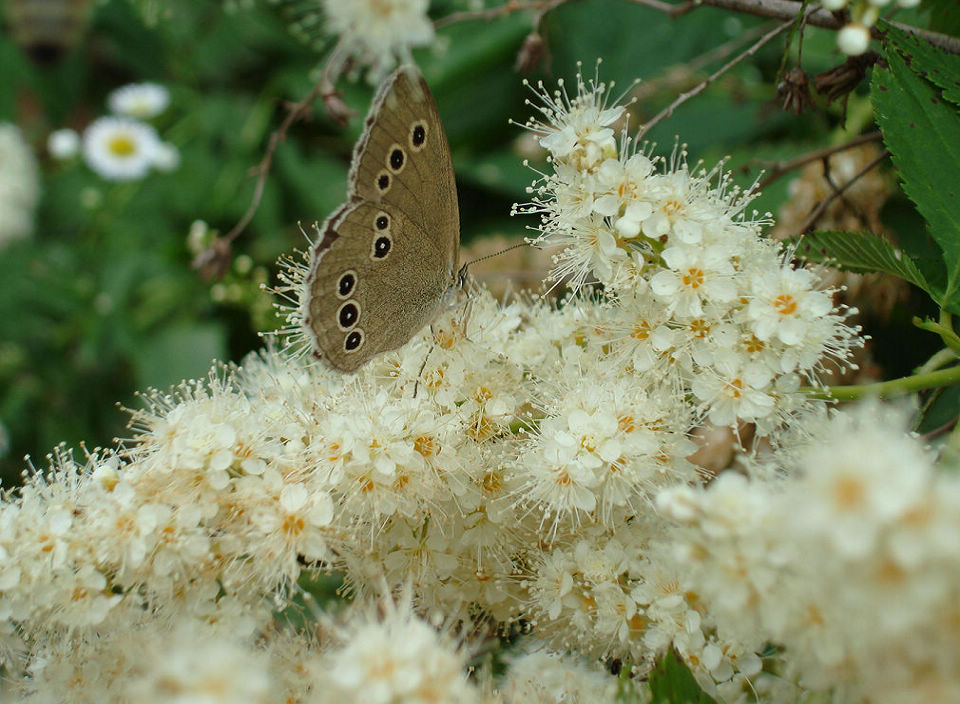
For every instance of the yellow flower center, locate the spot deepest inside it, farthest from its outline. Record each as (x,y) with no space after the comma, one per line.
(753,345)
(849,493)
(734,388)
(425,445)
(122,145)
(693,278)
(672,207)
(641,330)
(785,304)
(699,328)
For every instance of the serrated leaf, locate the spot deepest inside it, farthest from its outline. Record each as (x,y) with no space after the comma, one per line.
(929,62)
(922,133)
(672,683)
(860,252)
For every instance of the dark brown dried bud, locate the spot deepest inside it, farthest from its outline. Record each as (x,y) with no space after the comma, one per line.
(794,91)
(840,81)
(530,54)
(214,261)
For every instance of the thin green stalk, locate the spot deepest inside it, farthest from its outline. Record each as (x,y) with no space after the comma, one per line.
(940,359)
(943,328)
(894,387)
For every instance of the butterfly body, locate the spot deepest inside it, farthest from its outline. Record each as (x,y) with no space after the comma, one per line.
(385,264)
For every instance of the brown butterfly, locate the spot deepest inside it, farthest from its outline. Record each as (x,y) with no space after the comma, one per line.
(386,261)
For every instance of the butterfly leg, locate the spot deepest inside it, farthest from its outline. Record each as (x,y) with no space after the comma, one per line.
(423,365)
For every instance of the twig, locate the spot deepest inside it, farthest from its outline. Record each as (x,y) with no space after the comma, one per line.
(787,9)
(779,168)
(492,13)
(212,262)
(822,205)
(684,97)
(688,69)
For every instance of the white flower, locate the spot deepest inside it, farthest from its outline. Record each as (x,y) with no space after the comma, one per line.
(63,143)
(195,664)
(396,657)
(119,149)
(735,390)
(377,33)
(853,39)
(696,275)
(785,304)
(166,157)
(858,477)
(139,100)
(545,676)
(19,185)
(577,130)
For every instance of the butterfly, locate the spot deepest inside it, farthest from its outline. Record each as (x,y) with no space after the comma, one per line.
(385,262)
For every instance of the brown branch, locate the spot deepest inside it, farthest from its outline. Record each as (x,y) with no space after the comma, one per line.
(214,260)
(779,168)
(686,72)
(789,9)
(822,205)
(493,12)
(684,97)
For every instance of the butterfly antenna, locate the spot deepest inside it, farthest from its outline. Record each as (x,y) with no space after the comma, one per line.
(463,269)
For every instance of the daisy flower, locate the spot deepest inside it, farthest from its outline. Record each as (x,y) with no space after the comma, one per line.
(120,149)
(139,100)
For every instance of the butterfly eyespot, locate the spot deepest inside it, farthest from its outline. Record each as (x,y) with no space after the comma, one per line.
(418,135)
(383,181)
(382,221)
(346,283)
(353,341)
(381,247)
(397,158)
(348,315)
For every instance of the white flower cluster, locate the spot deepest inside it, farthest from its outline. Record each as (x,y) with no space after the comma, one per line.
(19,185)
(122,147)
(498,471)
(693,299)
(379,33)
(854,38)
(849,564)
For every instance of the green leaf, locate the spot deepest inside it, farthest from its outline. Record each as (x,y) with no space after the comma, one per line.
(860,252)
(923,134)
(941,410)
(672,683)
(933,64)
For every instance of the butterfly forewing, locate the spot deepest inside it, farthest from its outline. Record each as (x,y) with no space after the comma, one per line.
(387,256)
(403,158)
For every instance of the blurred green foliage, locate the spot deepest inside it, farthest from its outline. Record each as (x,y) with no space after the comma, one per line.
(103,301)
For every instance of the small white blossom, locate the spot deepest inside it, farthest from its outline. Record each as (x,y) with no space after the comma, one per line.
(119,148)
(394,658)
(166,157)
(140,101)
(19,185)
(63,143)
(378,33)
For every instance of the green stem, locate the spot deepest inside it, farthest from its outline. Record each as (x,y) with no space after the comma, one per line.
(943,328)
(894,387)
(939,359)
